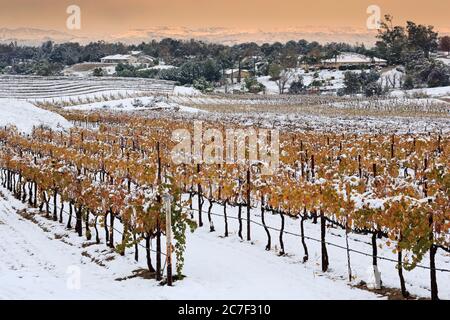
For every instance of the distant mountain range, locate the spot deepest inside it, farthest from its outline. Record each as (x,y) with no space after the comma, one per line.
(32,36)
(235,35)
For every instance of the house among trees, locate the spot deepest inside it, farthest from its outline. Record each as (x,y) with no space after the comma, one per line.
(108,64)
(350,59)
(233,76)
(133,58)
(119,58)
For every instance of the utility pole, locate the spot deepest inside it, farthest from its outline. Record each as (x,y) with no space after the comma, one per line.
(168,211)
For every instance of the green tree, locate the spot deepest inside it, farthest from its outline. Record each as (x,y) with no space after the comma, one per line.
(439,76)
(352,83)
(253,86)
(422,38)
(297,86)
(275,71)
(409,82)
(392,41)
(444,44)
(210,70)
(203,85)
(98,72)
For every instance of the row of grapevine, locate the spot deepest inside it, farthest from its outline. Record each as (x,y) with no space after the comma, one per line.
(393,187)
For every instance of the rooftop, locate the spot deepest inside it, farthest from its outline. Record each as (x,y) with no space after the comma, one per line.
(118,57)
(350,57)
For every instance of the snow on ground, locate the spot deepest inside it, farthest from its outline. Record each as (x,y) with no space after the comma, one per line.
(86,69)
(271,86)
(41,260)
(331,79)
(73,88)
(400,102)
(134,104)
(38,260)
(186,91)
(189,109)
(417,280)
(431,92)
(230,88)
(163,67)
(25,116)
(332,122)
(351,57)
(445,60)
(392,78)
(94,96)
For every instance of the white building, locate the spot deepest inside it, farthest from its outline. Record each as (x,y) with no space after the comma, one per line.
(133,57)
(352,59)
(119,58)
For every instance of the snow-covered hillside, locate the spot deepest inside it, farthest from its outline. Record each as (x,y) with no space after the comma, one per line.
(134,104)
(40,259)
(25,116)
(330,79)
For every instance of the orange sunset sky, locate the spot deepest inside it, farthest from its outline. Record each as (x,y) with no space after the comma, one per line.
(115,16)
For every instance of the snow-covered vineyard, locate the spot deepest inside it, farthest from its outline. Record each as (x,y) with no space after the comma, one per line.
(83,173)
(107,93)
(298,161)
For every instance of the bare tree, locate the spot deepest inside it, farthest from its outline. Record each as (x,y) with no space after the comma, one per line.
(281,76)
(285,77)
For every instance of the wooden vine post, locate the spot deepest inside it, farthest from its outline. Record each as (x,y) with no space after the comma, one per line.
(199,197)
(168,211)
(248,203)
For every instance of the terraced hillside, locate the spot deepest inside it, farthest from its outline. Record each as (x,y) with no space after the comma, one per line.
(39,88)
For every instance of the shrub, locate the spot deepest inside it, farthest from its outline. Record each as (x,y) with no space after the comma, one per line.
(409,83)
(438,77)
(253,86)
(373,89)
(297,86)
(98,72)
(203,85)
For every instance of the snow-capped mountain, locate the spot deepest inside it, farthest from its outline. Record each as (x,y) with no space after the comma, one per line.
(229,36)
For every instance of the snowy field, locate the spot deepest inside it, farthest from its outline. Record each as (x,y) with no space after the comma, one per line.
(40,259)
(25,116)
(398,115)
(134,104)
(431,92)
(331,79)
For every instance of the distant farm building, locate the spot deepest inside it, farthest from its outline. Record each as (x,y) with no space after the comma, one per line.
(119,58)
(134,58)
(108,64)
(233,74)
(348,59)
